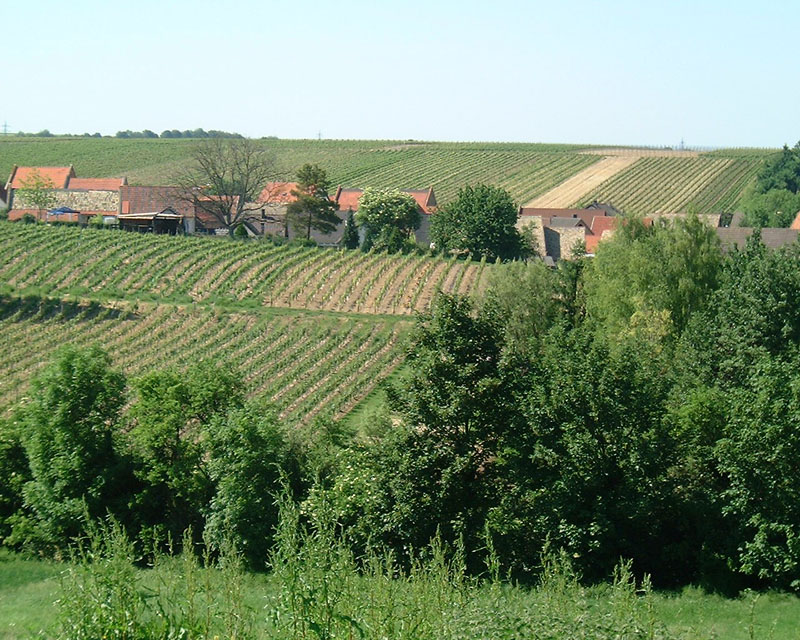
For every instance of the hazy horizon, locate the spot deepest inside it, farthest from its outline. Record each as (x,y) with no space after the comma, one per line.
(711,74)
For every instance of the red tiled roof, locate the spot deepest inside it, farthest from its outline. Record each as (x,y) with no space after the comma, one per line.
(425,198)
(591,243)
(149,199)
(348,198)
(602,224)
(97,184)
(796,222)
(59,176)
(278,193)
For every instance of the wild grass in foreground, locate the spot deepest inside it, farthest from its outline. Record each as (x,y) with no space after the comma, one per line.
(318,590)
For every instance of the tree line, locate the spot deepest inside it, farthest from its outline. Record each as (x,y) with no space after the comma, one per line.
(643,405)
(774,199)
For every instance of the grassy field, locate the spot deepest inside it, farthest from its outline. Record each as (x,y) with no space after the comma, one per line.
(525,170)
(29,590)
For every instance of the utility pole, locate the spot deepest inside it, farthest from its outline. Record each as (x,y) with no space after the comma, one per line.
(319,135)
(5,128)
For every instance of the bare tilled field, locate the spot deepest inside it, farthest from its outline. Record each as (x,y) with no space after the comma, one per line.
(572,189)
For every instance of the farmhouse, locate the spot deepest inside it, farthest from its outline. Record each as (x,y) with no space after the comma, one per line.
(426,203)
(152,200)
(79,199)
(166,221)
(558,232)
(276,195)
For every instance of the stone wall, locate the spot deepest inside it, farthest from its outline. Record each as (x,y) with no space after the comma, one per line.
(533,225)
(568,239)
(80,200)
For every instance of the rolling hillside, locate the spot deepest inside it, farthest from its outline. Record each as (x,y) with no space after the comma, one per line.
(308,365)
(109,265)
(655,179)
(312,330)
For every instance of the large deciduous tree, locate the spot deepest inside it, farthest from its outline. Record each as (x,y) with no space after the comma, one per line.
(171,411)
(312,208)
(390,217)
(68,433)
(653,275)
(225,178)
(481,221)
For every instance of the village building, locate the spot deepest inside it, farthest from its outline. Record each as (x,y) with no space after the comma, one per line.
(73,199)
(558,233)
(277,195)
(137,200)
(166,221)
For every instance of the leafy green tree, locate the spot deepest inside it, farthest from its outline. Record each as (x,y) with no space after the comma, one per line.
(36,192)
(312,208)
(653,278)
(527,297)
(390,218)
(774,208)
(14,473)
(774,199)
(754,312)
(481,221)
(350,238)
(68,431)
(169,415)
(247,452)
(759,457)
(781,172)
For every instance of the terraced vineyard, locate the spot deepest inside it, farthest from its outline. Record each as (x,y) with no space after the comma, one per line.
(307,364)
(709,183)
(106,264)
(526,170)
(659,181)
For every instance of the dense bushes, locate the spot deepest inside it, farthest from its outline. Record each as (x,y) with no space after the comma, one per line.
(189,454)
(645,405)
(650,414)
(774,200)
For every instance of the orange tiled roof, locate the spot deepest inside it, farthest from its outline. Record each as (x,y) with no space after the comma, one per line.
(591,243)
(348,198)
(97,184)
(602,224)
(278,193)
(59,176)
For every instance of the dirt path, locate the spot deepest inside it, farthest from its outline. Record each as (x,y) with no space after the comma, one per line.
(572,189)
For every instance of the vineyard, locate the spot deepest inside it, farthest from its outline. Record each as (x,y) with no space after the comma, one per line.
(707,183)
(527,171)
(308,365)
(312,330)
(106,265)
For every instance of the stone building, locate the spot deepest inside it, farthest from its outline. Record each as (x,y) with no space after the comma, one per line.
(79,199)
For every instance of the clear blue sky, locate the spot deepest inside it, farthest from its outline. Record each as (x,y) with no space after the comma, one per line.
(715,73)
